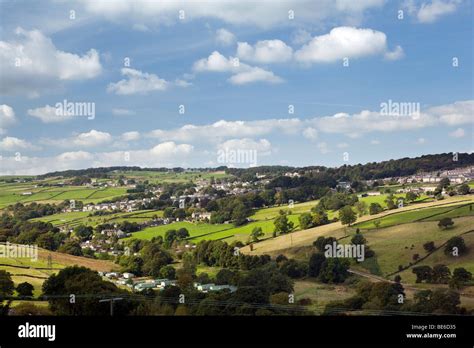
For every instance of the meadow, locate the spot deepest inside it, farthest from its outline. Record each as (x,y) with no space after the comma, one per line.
(11,193)
(170,177)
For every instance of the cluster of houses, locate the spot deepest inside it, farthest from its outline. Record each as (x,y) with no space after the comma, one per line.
(456,176)
(129,280)
(125,205)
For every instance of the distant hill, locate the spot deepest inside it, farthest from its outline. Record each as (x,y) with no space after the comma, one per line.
(369,171)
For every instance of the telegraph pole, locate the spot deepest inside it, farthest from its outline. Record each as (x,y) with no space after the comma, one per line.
(111,300)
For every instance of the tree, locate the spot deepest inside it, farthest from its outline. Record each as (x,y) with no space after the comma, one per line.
(347,216)
(377,223)
(315,264)
(361,208)
(390,201)
(423,273)
(226,276)
(460,277)
(83,232)
(455,246)
(334,270)
(168,212)
(294,269)
(170,237)
(429,246)
(411,196)
(256,233)
(320,218)
(71,247)
(358,239)
(239,214)
(154,258)
(375,208)
(6,284)
(464,189)
(282,225)
(168,272)
(306,221)
(445,223)
(441,274)
(25,289)
(182,233)
(83,281)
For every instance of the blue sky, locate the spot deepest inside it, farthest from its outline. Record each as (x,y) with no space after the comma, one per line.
(236,68)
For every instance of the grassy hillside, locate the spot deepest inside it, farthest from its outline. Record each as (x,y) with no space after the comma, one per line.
(36,272)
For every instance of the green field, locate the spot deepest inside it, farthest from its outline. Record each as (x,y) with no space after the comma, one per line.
(417,215)
(396,245)
(73,219)
(11,193)
(170,177)
(262,218)
(194,229)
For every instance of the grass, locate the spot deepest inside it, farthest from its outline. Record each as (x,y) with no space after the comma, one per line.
(36,272)
(170,177)
(320,294)
(410,216)
(396,245)
(11,193)
(194,229)
(438,257)
(74,219)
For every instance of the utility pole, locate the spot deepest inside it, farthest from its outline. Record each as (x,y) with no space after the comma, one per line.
(111,300)
(50,262)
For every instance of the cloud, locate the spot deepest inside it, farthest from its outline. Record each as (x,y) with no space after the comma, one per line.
(458,133)
(130,136)
(48,114)
(224,37)
(168,154)
(15,144)
(93,138)
(310,133)
(216,62)
(420,141)
(243,73)
(263,13)
(254,75)
(170,149)
(122,112)
(375,142)
(457,113)
(137,82)
(228,129)
(32,64)
(7,117)
(352,125)
(342,42)
(460,112)
(262,146)
(396,54)
(323,148)
(301,37)
(266,51)
(431,11)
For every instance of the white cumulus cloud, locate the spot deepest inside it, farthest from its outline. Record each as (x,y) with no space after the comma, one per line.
(266,51)
(345,42)
(31,64)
